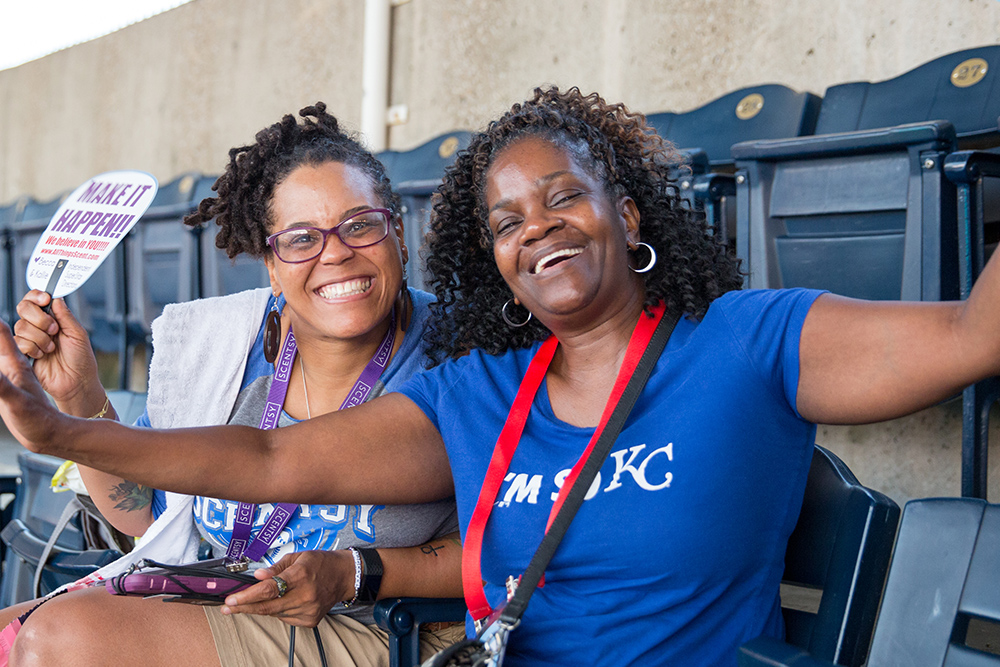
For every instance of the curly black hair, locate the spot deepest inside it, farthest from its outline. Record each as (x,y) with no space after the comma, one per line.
(613,144)
(242,209)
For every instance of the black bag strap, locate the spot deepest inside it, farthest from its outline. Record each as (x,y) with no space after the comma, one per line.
(574,499)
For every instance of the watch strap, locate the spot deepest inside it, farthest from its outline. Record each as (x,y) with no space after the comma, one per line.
(371,581)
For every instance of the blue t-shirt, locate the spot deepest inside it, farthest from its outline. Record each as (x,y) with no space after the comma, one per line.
(326,526)
(677,554)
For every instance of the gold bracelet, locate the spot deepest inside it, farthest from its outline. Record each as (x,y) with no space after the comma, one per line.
(104,410)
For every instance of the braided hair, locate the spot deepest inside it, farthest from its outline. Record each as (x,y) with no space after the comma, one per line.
(242,207)
(613,145)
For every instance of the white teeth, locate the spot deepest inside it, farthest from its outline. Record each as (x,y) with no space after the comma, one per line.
(569,252)
(346,288)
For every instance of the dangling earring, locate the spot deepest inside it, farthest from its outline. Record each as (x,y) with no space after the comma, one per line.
(272,332)
(506,318)
(652,258)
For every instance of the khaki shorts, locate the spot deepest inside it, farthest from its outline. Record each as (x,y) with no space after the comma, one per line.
(248,640)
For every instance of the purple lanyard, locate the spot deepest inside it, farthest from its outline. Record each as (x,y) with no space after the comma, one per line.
(239,551)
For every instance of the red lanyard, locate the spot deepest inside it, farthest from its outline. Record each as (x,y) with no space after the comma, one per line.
(510,436)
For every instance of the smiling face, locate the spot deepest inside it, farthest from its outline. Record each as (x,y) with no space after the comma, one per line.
(559,238)
(344,292)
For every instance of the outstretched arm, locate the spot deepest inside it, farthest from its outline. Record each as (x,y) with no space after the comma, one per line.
(866,361)
(385,451)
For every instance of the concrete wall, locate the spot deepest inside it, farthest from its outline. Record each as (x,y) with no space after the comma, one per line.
(175,92)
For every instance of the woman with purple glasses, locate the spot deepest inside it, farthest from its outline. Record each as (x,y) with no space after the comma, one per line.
(337,327)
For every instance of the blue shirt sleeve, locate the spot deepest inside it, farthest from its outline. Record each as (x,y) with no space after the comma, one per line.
(158,504)
(768,326)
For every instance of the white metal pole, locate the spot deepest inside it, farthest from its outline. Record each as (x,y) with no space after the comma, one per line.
(375,74)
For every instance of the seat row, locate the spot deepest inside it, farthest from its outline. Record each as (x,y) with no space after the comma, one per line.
(869,191)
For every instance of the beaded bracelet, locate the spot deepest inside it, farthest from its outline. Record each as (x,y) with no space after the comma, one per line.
(357,577)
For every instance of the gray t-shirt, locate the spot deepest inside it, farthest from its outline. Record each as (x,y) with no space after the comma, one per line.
(326,527)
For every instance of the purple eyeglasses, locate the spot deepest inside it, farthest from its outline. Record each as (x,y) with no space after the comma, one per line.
(300,244)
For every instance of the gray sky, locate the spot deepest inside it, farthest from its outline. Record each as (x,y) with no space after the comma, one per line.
(30,29)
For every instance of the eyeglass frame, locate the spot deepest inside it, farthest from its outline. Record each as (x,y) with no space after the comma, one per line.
(325,233)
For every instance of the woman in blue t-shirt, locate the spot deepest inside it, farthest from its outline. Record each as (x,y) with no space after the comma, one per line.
(562,219)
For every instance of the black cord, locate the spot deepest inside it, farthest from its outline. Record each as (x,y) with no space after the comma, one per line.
(291,646)
(319,645)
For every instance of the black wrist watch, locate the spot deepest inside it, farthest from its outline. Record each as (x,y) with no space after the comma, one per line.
(372,579)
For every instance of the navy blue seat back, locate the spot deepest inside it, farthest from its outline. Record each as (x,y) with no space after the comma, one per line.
(942,584)
(35,217)
(839,550)
(941,605)
(705,137)
(862,208)
(220,275)
(36,511)
(9,214)
(867,214)
(771,111)
(962,88)
(162,256)
(415,175)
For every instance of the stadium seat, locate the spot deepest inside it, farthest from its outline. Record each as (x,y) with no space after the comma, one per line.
(770,111)
(25,232)
(705,136)
(219,275)
(970,171)
(415,175)
(941,606)
(835,567)
(866,211)
(36,512)
(959,87)
(162,259)
(402,618)
(864,214)
(9,214)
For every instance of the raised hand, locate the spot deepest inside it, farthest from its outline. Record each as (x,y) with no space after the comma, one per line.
(317,581)
(64,360)
(25,409)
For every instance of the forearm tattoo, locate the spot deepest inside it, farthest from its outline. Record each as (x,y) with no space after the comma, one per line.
(129,496)
(432,549)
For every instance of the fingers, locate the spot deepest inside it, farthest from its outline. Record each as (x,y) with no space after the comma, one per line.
(306,599)
(36,328)
(286,561)
(23,405)
(296,607)
(66,319)
(12,362)
(265,591)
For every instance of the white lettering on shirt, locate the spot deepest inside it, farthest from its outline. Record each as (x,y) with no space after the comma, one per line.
(521,488)
(639,474)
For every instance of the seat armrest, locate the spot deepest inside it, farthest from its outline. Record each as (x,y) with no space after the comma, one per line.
(768,652)
(938,132)
(970,166)
(398,616)
(714,186)
(29,547)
